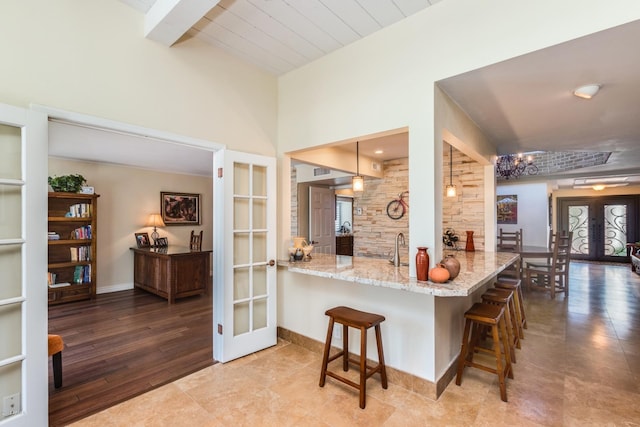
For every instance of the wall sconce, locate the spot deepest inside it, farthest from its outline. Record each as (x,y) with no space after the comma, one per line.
(357,182)
(155,221)
(587,91)
(451,189)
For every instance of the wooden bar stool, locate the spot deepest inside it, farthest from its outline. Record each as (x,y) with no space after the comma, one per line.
(55,346)
(518,299)
(362,321)
(477,317)
(504,298)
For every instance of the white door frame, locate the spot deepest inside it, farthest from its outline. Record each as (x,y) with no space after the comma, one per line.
(33,299)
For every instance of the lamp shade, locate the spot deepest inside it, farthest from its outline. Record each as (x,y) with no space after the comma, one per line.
(155,220)
(357,183)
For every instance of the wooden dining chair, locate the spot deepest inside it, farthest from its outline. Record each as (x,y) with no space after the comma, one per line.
(195,243)
(552,277)
(511,241)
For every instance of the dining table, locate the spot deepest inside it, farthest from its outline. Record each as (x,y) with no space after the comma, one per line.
(531,251)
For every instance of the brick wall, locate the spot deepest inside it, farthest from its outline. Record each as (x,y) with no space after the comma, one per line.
(466,210)
(374,231)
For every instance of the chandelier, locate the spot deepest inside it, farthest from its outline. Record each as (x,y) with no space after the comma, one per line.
(513,166)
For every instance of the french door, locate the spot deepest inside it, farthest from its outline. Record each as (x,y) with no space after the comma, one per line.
(601,226)
(23,265)
(244,254)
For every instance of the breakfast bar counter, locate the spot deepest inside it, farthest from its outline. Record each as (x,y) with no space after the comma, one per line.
(476,268)
(424,320)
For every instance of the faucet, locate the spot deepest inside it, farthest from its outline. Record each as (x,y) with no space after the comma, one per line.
(396,256)
(344,228)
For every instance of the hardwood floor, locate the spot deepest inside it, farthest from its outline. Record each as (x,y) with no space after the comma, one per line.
(123,344)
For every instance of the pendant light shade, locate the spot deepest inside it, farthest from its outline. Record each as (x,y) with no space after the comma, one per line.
(357,182)
(451,189)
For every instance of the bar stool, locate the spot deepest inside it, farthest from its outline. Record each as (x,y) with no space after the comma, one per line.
(518,299)
(504,298)
(485,315)
(362,321)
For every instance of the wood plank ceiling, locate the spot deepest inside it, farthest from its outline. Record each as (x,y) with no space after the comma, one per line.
(275,35)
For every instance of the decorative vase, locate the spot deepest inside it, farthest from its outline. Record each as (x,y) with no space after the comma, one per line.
(439,274)
(470,247)
(422,264)
(452,265)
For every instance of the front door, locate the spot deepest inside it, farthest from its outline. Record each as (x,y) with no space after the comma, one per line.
(244,221)
(601,226)
(23,267)
(322,220)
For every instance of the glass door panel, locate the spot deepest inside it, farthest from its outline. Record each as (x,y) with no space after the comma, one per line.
(10,271)
(615,230)
(11,152)
(579,224)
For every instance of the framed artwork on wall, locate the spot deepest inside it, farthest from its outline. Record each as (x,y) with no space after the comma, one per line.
(180,208)
(507,209)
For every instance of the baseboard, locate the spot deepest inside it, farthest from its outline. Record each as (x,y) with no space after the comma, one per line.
(114,288)
(395,376)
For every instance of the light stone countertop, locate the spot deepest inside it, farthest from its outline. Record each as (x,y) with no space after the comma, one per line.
(476,268)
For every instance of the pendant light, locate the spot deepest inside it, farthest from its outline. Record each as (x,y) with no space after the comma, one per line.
(357,182)
(451,189)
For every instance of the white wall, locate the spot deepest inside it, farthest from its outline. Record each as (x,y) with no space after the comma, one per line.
(91,57)
(386,81)
(533,211)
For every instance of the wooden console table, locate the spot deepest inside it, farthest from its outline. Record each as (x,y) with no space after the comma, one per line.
(171,272)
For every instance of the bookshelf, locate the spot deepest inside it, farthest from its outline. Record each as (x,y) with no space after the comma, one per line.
(72,223)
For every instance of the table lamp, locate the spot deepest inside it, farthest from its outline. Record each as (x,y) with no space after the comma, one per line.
(155,221)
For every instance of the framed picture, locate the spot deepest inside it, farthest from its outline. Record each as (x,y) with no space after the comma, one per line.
(180,208)
(142,240)
(507,209)
(162,242)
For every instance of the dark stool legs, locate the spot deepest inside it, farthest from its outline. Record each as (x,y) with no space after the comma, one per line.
(362,321)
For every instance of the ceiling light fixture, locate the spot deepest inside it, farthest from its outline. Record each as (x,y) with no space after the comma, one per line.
(598,187)
(512,166)
(451,189)
(587,91)
(357,182)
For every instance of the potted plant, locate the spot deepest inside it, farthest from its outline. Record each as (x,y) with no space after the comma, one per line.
(67,183)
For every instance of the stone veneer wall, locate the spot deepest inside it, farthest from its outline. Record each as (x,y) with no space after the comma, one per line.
(466,210)
(374,231)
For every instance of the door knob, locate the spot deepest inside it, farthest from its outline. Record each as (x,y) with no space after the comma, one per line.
(271,263)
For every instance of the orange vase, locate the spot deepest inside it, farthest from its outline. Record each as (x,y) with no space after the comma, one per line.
(422,264)
(470,247)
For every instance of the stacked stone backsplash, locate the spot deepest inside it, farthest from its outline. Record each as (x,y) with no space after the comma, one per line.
(466,210)
(374,231)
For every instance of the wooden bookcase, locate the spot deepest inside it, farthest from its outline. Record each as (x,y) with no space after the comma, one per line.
(72,257)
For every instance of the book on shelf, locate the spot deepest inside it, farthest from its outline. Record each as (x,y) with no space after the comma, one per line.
(81,233)
(82,274)
(81,253)
(60,285)
(52,235)
(79,210)
(51,278)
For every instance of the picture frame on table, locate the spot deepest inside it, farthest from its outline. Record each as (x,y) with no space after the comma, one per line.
(142,240)
(162,242)
(180,208)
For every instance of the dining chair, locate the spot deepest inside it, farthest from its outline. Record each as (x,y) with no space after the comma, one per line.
(195,243)
(511,241)
(554,276)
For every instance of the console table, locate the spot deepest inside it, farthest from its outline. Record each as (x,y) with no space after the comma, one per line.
(171,272)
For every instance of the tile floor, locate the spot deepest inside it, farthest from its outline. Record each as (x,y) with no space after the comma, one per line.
(579,365)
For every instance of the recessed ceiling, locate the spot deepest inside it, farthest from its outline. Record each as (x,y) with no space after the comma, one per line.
(527,104)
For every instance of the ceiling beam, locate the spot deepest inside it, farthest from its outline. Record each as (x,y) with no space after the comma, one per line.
(168,20)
